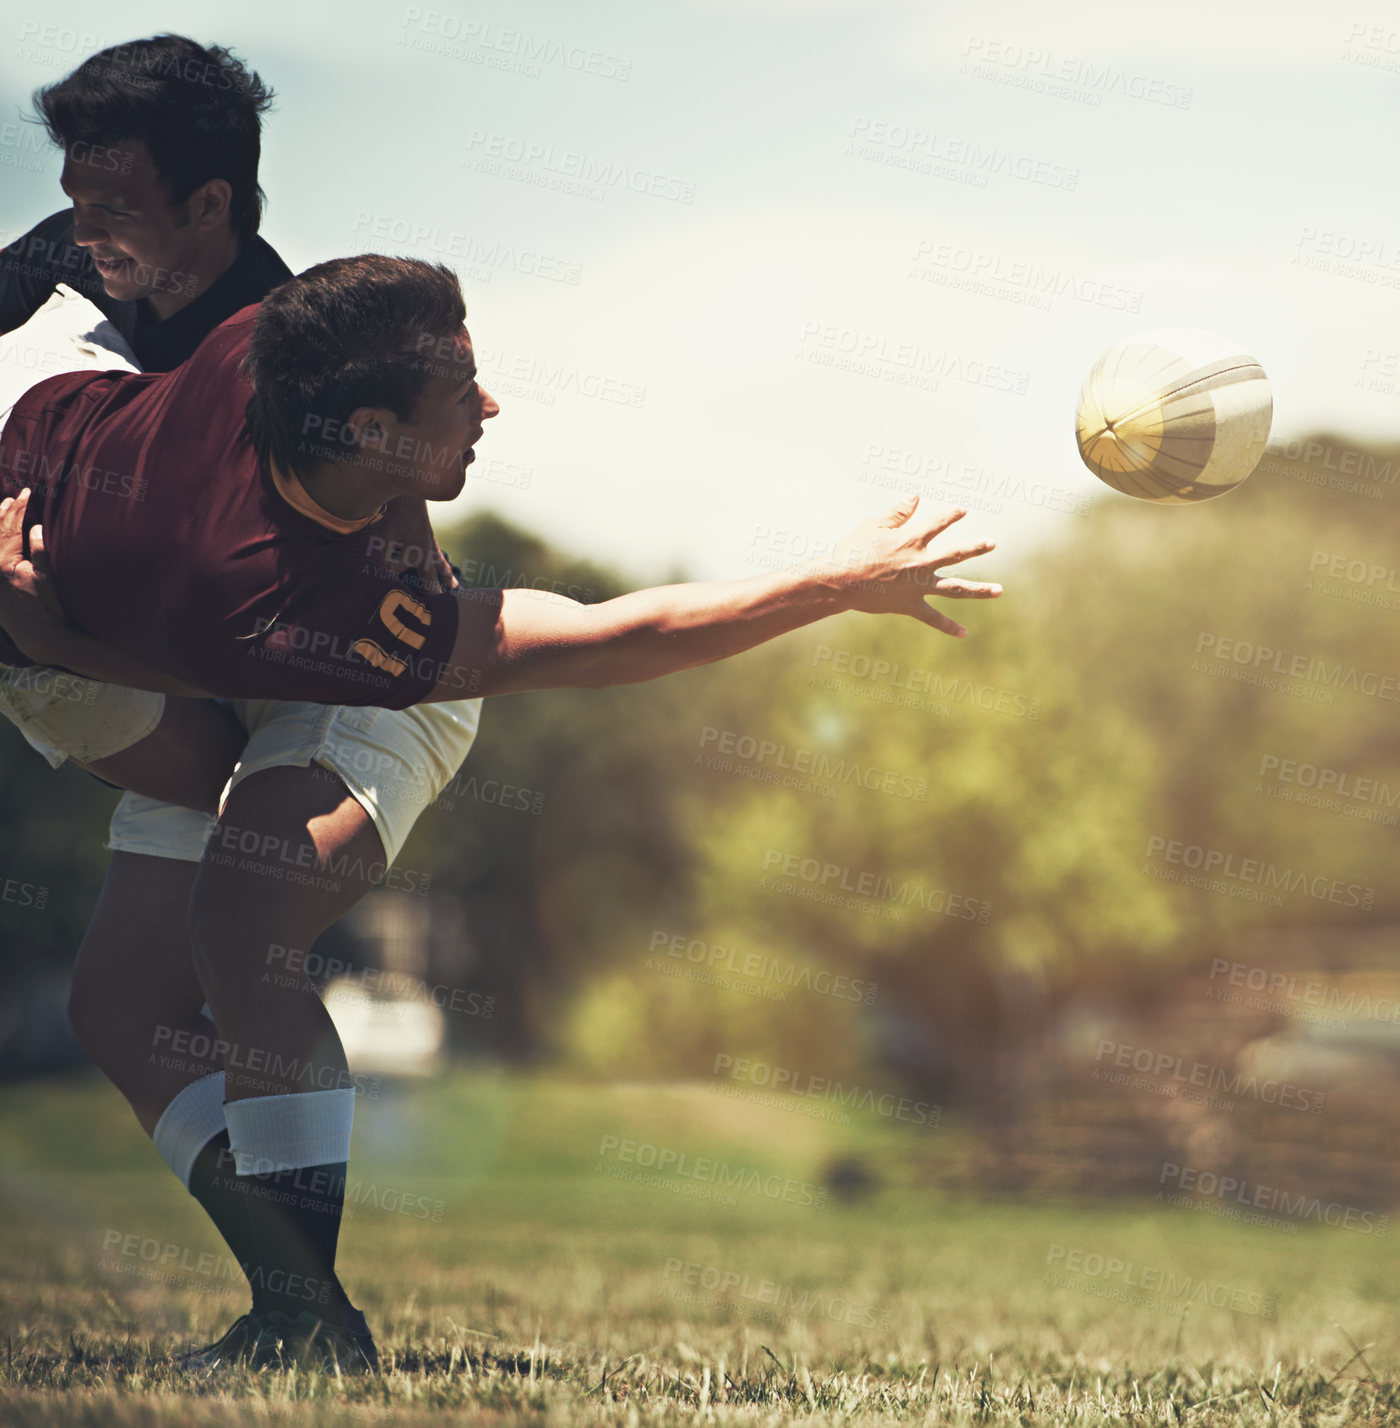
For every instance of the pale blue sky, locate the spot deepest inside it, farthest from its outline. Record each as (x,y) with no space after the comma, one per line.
(1223,171)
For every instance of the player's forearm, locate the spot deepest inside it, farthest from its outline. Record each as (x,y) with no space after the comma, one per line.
(80,653)
(511,640)
(651,633)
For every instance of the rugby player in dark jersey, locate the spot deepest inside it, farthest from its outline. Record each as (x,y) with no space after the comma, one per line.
(161,142)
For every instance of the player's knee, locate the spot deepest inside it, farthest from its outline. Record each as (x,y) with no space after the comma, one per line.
(229,938)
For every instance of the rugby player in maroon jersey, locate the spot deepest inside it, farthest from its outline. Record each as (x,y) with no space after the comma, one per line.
(251,567)
(161,141)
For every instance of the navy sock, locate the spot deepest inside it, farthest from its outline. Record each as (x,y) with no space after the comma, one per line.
(295,1218)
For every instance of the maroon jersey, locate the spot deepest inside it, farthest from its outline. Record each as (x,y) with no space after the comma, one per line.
(169,540)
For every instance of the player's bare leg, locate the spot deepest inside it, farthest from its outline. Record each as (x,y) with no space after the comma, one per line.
(293,851)
(136,1002)
(137,1005)
(138,1009)
(186,759)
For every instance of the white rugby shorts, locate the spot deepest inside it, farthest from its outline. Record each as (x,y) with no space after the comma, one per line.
(394,762)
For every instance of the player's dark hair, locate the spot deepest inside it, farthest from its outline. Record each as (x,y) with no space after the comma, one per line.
(353,332)
(197,109)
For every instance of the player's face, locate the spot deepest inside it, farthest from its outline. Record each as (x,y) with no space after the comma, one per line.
(448,420)
(141,243)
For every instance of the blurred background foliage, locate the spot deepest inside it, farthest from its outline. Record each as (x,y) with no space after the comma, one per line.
(1076,724)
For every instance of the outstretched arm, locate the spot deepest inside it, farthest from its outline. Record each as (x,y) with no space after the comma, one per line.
(531,641)
(514,640)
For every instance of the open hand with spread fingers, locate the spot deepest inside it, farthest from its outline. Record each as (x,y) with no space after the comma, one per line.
(891,563)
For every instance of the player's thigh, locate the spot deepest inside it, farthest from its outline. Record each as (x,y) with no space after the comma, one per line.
(186,759)
(179,750)
(322,800)
(292,852)
(395,762)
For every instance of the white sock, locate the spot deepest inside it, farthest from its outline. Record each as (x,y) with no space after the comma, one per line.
(273,1133)
(189,1123)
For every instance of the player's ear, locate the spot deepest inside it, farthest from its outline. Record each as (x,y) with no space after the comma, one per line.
(371,426)
(211,203)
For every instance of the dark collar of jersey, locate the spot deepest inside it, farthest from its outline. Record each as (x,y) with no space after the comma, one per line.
(162,344)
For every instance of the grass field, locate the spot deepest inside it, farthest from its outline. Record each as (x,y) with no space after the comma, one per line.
(513,1272)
